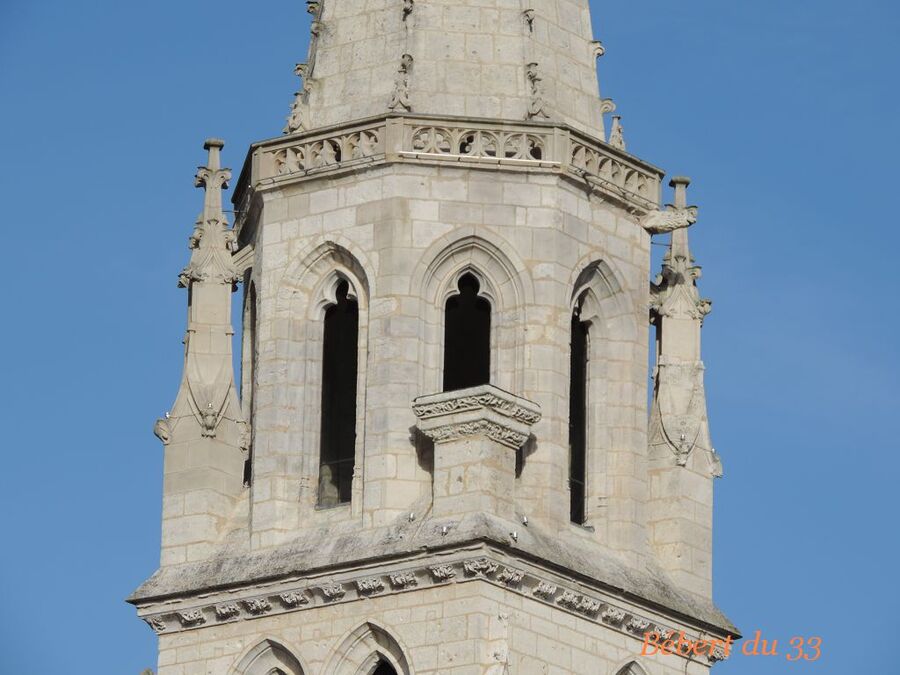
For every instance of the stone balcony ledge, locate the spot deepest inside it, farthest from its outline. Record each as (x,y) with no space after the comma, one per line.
(485,410)
(546,147)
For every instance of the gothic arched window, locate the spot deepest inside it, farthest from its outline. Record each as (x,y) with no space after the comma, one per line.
(578,379)
(339,374)
(248,367)
(384,668)
(467,337)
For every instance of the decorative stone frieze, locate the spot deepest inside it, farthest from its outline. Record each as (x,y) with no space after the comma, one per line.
(403,580)
(258,606)
(293,599)
(484,410)
(370,586)
(510,576)
(192,617)
(156,623)
(544,590)
(228,611)
(333,592)
(532,146)
(481,568)
(442,572)
(638,626)
(613,616)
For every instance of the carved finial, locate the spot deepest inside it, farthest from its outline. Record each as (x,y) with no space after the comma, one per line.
(212,242)
(408,6)
(680,185)
(528,15)
(537,107)
(616,134)
(296,121)
(598,48)
(400,95)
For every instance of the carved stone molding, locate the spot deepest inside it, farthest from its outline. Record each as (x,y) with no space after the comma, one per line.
(293,599)
(403,580)
(258,606)
(193,617)
(478,411)
(506,406)
(530,584)
(370,586)
(442,572)
(333,592)
(532,146)
(228,611)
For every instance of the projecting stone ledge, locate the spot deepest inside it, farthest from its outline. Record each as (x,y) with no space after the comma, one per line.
(476,432)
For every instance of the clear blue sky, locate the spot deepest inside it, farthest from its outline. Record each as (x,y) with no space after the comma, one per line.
(784,113)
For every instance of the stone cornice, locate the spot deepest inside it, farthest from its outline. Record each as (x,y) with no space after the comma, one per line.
(466,142)
(477,411)
(489,566)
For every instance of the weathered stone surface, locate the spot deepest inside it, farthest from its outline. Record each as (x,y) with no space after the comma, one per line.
(432,140)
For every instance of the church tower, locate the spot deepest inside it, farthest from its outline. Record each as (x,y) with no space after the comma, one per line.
(440,457)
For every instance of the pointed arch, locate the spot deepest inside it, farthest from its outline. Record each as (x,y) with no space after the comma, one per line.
(327,272)
(503,281)
(604,341)
(631,668)
(365,650)
(268,657)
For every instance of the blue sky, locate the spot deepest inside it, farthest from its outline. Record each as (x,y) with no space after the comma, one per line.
(783,113)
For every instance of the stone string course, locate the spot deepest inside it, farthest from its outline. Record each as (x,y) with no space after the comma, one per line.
(310,596)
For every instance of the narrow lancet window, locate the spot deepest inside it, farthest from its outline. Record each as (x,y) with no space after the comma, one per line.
(578,418)
(467,337)
(339,373)
(384,668)
(248,370)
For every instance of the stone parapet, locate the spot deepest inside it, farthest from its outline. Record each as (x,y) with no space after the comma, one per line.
(434,140)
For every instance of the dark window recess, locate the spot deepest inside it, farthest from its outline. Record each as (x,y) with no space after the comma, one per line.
(339,371)
(578,418)
(250,326)
(384,668)
(467,337)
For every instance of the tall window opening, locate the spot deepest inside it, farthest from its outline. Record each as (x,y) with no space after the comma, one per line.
(578,417)
(339,375)
(248,370)
(467,337)
(384,668)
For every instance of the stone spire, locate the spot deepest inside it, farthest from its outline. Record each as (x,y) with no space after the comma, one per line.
(205,435)
(534,61)
(682,459)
